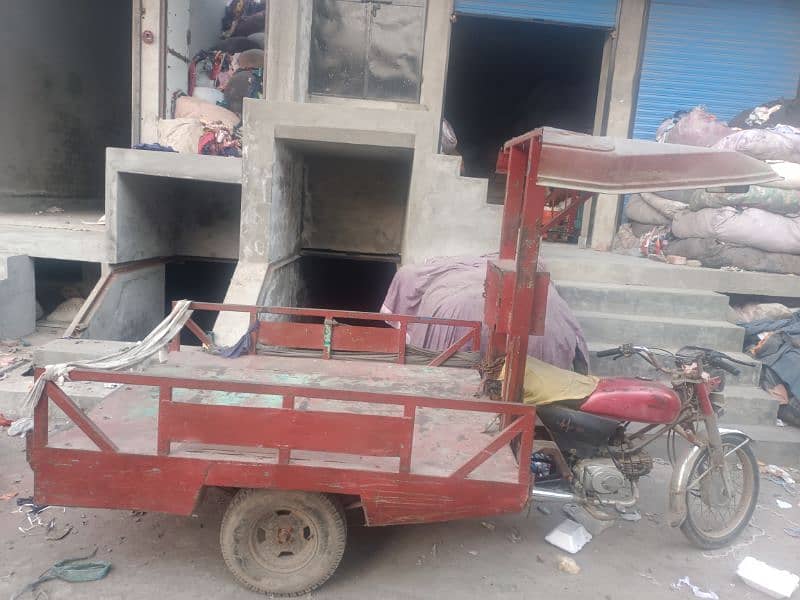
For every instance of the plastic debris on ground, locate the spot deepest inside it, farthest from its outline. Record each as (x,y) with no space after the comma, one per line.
(783,504)
(569,536)
(514,537)
(488,525)
(792,531)
(568,565)
(776,583)
(696,591)
(72,570)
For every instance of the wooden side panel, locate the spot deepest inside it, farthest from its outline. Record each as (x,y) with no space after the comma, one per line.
(368,435)
(123,481)
(370,339)
(345,337)
(291,335)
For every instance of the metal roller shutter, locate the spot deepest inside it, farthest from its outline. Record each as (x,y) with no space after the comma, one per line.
(588,13)
(727,55)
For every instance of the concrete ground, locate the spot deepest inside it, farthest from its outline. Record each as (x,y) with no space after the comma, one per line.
(156,555)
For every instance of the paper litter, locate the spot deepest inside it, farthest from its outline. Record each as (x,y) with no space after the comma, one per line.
(696,591)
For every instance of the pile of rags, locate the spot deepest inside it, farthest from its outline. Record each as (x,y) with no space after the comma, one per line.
(757,229)
(452,288)
(776,343)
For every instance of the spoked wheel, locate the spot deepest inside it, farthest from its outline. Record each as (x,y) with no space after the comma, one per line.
(283,543)
(717,514)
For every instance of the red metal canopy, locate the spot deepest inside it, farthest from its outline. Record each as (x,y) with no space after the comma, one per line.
(610,165)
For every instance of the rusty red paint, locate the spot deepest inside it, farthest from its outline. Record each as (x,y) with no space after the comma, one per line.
(621,398)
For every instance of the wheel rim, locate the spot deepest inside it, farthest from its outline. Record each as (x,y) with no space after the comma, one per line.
(713,511)
(284,540)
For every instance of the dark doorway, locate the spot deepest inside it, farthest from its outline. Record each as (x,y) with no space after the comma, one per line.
(199,280)
(507,77)
(345,283)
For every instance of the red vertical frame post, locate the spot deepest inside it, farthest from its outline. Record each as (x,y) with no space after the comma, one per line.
(527,257)
(285,454)
(509,233)
(163,443)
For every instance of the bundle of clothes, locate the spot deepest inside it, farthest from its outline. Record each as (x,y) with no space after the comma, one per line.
(453,288)
(772,335)
(756,228)
(206,118)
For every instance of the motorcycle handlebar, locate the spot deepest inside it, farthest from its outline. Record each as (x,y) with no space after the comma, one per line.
(725,366)
(609,352)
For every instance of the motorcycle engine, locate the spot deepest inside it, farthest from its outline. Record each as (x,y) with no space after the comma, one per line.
(600,476)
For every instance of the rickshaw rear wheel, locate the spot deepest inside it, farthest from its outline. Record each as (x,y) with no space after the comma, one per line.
(283,543)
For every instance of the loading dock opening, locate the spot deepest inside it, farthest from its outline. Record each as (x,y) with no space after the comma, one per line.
(203,279)
(506,77)
(344,282)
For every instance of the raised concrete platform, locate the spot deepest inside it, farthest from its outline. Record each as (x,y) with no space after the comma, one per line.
(570,263)
(68,235)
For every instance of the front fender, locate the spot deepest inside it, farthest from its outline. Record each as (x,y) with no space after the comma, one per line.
(676,505)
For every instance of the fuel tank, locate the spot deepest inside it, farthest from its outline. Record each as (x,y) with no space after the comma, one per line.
(629,399)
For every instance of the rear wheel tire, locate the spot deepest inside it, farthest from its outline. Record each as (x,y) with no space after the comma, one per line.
(706,502)
(283,543)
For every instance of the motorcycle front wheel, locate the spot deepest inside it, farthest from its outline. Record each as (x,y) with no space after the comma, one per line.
(715,514)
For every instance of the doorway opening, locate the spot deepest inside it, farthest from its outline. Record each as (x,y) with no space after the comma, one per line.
(342,282)
(198,280)
(507,77)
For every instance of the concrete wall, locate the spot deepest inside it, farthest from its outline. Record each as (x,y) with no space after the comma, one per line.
(17,297)
(130,307)
(355,204)
(66,96)
(161,216)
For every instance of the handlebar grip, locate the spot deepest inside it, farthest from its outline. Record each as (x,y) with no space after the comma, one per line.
(726,366)
(609,352)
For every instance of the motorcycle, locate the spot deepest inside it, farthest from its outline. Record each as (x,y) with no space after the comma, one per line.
(592,451)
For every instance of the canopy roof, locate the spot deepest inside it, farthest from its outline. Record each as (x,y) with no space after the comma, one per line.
(620,166)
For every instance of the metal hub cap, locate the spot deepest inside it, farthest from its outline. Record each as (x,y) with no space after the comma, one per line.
(284,540)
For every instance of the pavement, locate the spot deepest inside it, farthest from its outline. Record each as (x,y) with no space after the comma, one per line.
(157,555)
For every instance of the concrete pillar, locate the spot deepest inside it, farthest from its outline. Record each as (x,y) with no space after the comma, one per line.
(17,297)
(288,50)
(622,101)
(148,68)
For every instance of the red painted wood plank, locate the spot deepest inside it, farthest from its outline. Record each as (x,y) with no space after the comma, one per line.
(455,347)
(67,477)
(163,444)
(284,453)
(91,479)
(367,435)
(244,387)
(291,335)
(502,438)
(369,339)
(77,416)
(198,332)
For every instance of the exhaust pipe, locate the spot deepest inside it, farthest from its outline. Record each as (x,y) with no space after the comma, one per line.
(551,496)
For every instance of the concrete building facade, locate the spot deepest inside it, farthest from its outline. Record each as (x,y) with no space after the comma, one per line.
(329,185)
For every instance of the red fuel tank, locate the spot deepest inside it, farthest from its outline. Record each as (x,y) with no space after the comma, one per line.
(633,400)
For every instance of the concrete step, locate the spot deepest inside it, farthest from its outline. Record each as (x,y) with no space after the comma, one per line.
(660,331)
(774,445)
(636,367)
(748,405)
(643,300)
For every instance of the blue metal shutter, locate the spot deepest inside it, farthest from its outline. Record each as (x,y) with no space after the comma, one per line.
(727,55)
(589,13)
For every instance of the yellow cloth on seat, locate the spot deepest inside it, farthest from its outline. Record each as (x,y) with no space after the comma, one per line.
(545,383)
